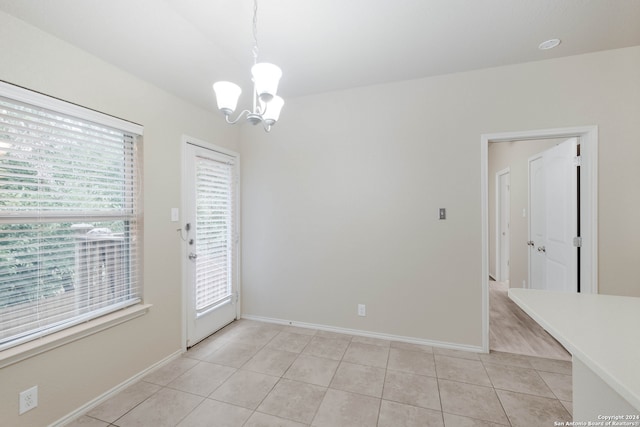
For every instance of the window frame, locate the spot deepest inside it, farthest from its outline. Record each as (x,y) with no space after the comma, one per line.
(40,342)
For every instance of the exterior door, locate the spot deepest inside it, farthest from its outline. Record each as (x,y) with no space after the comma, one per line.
(553,207)
(211,214)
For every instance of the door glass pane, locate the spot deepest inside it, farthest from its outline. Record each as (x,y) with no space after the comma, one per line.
(214,233)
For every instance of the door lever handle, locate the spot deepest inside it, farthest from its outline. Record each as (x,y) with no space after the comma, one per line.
(530,243)
(542,249)
(193,256)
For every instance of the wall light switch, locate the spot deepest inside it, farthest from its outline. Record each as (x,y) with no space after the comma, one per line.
(175,215)
(443,213)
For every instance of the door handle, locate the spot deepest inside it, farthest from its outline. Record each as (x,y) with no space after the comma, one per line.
(193,256)
(542,249)
(530,243)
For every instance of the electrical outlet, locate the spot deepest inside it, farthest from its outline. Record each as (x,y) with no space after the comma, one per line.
(28,399)
(362,310)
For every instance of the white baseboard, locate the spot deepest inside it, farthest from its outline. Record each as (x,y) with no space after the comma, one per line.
(357,332)
(115,390)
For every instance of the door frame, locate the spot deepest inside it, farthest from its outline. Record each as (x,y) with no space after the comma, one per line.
(185,141)
(498,195)
(588,139)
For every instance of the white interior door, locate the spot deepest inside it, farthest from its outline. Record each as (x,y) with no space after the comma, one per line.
(553,198)
(211,238)
(537,223)
(504,220)
(561,215)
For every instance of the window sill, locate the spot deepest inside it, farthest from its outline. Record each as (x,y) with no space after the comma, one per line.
(49,342)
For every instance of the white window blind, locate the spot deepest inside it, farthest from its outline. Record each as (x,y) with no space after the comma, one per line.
(69,217)
(215,232)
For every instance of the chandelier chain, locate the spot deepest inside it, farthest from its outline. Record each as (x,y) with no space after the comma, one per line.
(255,32)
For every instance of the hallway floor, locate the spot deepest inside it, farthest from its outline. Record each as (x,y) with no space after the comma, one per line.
(258,374)
(511,330)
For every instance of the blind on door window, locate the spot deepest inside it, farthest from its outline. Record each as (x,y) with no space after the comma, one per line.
(215,232)
(69,235)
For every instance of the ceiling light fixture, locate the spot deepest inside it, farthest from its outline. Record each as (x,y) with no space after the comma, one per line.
(266,76)
(549,44)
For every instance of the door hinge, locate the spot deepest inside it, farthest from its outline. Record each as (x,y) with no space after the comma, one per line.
(577,242)
(577,161)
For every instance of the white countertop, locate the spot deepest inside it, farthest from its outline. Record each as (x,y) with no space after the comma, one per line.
(603,331)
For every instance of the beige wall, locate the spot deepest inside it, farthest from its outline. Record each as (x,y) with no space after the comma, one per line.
(70,376)
(513,155)
(340,202)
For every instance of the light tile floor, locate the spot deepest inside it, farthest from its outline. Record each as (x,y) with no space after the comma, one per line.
(257,374)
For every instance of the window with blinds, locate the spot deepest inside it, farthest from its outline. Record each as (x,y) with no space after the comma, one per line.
(69,217)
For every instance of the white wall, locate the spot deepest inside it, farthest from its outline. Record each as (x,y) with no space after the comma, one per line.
(340,202)
(72,375)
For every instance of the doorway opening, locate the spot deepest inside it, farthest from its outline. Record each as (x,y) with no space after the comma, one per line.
(588,138)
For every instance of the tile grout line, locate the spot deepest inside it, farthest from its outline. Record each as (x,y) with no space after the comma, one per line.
(494,390)
(329,385)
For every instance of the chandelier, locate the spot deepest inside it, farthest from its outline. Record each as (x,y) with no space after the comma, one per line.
(266,76)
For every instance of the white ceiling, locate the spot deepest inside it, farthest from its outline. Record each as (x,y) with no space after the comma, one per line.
(184,46)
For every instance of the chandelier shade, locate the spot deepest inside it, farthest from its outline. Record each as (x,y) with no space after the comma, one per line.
(271,110)
(227,95)
(266,77)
